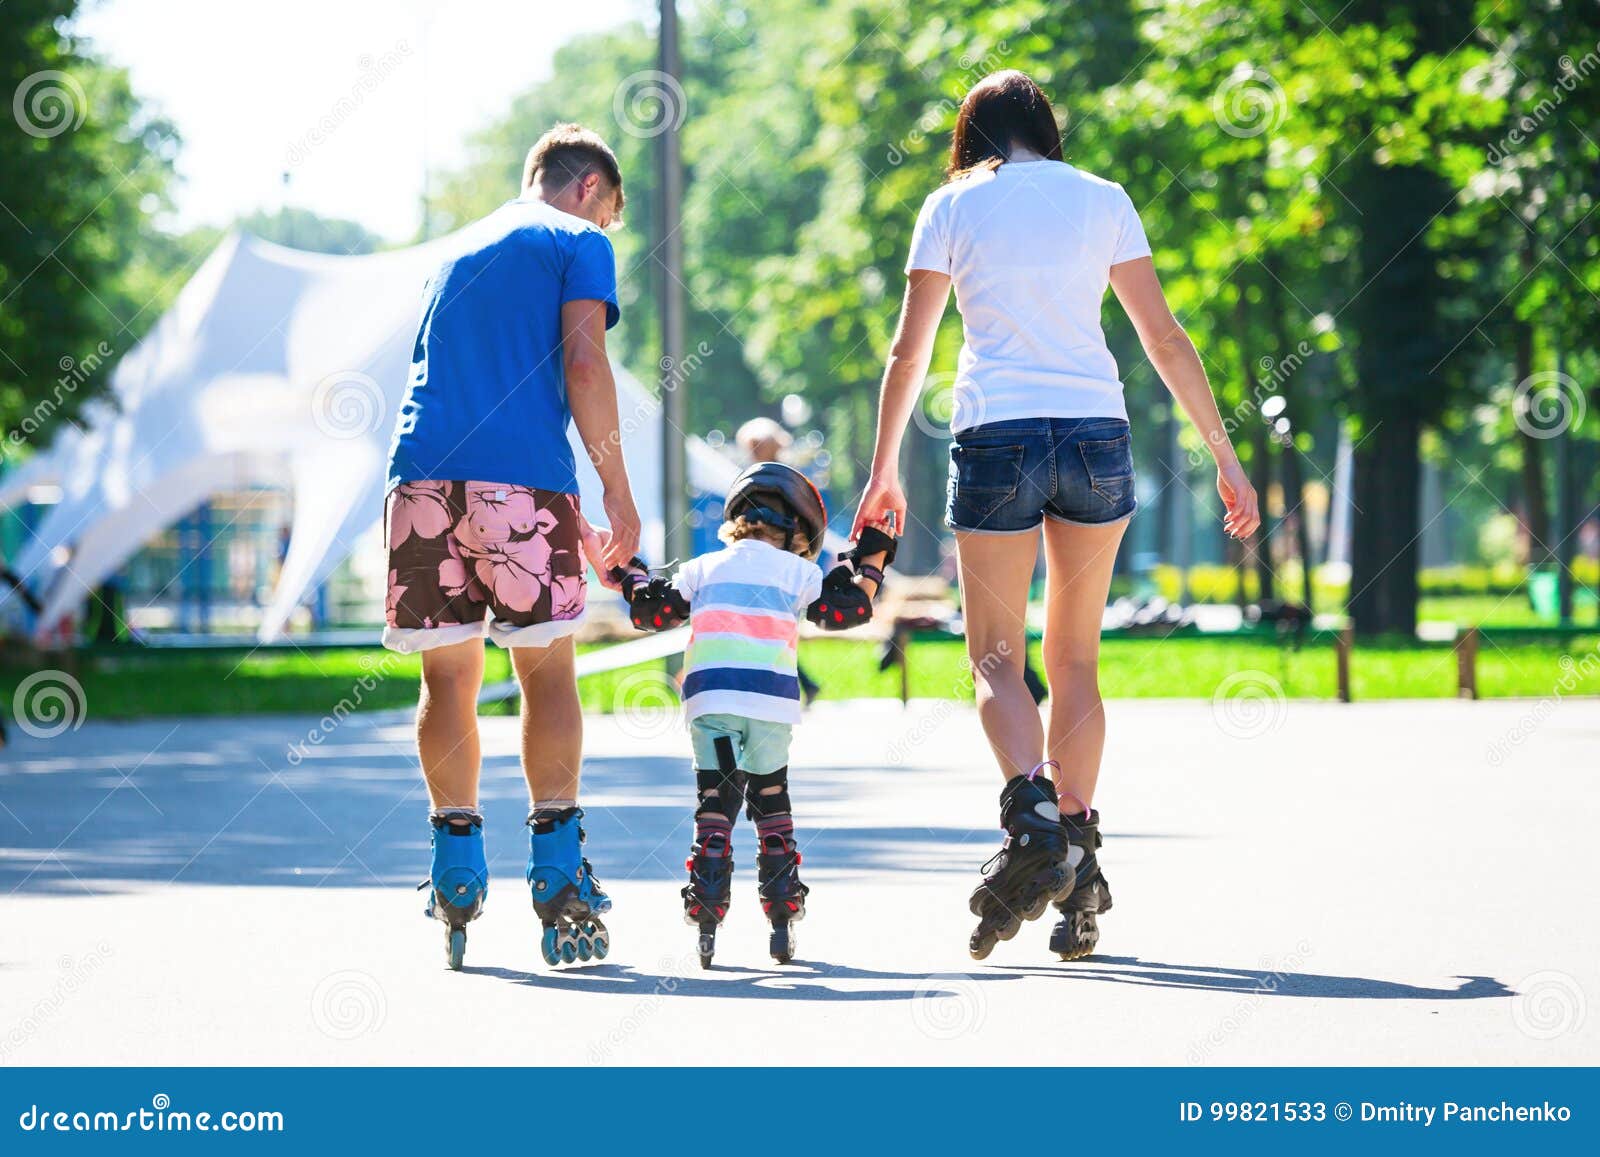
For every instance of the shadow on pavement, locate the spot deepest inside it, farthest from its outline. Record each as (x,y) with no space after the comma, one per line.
(1265,982)
(252,802)
(802,980)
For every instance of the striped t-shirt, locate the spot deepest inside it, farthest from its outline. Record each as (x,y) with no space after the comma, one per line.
(744,621)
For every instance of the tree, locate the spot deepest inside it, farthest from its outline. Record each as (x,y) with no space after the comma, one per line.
(84,170)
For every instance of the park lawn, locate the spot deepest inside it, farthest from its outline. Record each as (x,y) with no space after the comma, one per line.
(139,684)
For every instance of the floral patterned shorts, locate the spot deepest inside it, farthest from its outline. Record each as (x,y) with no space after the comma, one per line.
(475,559)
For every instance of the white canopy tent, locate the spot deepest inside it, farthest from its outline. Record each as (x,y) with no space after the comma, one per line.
(273,366)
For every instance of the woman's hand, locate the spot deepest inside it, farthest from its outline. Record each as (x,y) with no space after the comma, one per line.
(1239,497)
(883,498)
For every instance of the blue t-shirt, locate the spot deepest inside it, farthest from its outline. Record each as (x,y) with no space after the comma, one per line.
(487,396)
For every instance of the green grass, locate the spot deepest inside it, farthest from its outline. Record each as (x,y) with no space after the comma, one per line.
(138,684)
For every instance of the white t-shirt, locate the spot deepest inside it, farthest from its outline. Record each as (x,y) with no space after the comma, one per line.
(1029,247)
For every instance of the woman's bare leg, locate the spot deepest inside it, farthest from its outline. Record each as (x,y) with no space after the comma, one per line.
(447,723)
(996,570)
(1079,561)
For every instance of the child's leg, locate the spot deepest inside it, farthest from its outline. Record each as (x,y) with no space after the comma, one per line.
(783,895)
(718,781)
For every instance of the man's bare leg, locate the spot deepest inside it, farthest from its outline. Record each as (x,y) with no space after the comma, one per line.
(552,723)
(447,724)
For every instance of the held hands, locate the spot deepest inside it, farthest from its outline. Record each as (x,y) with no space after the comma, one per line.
(1239,497)
(882,499)
(609,549)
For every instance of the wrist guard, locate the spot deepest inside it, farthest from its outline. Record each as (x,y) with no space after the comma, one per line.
(842,604)
(654,604)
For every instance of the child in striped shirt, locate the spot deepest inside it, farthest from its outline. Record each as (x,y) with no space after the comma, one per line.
(741,690)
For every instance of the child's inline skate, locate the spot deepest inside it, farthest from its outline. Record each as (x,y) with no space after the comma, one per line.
(783,896)
(458,880)
(1030,869)
(566,895)
(1078,931)
(707,894)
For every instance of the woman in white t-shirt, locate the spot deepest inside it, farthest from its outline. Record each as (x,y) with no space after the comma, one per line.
(1041,439)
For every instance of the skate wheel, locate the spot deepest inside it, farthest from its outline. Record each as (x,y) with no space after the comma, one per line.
(547,946)
(569,951)
(585,946)
(602,944)
(707,946)
(781,944)
(456,948)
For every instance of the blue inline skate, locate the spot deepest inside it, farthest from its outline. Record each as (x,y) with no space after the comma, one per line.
(566,895)
(458,880)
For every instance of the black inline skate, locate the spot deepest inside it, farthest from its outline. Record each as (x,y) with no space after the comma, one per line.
(1078,931)
(1029,871)
(783,896)
(706,895)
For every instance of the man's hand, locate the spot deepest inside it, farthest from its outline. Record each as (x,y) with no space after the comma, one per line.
(595,545)
(623,542)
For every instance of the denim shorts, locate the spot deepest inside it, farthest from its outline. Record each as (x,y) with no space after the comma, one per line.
(1007,477)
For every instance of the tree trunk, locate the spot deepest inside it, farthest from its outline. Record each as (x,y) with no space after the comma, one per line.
(1535,500)
(1383,567)
(1258,551)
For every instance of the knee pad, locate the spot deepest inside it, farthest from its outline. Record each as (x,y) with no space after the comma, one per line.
(719,791)
(762,803)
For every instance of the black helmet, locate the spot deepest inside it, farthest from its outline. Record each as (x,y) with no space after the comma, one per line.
(779,496)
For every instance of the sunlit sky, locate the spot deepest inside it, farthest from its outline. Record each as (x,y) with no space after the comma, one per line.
(249,88)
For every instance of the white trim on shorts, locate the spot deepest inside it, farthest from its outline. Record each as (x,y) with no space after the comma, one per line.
(409,640)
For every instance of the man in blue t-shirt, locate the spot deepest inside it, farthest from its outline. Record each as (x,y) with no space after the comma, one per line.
(484,530)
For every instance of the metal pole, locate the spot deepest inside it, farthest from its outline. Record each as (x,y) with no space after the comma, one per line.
(669,256)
